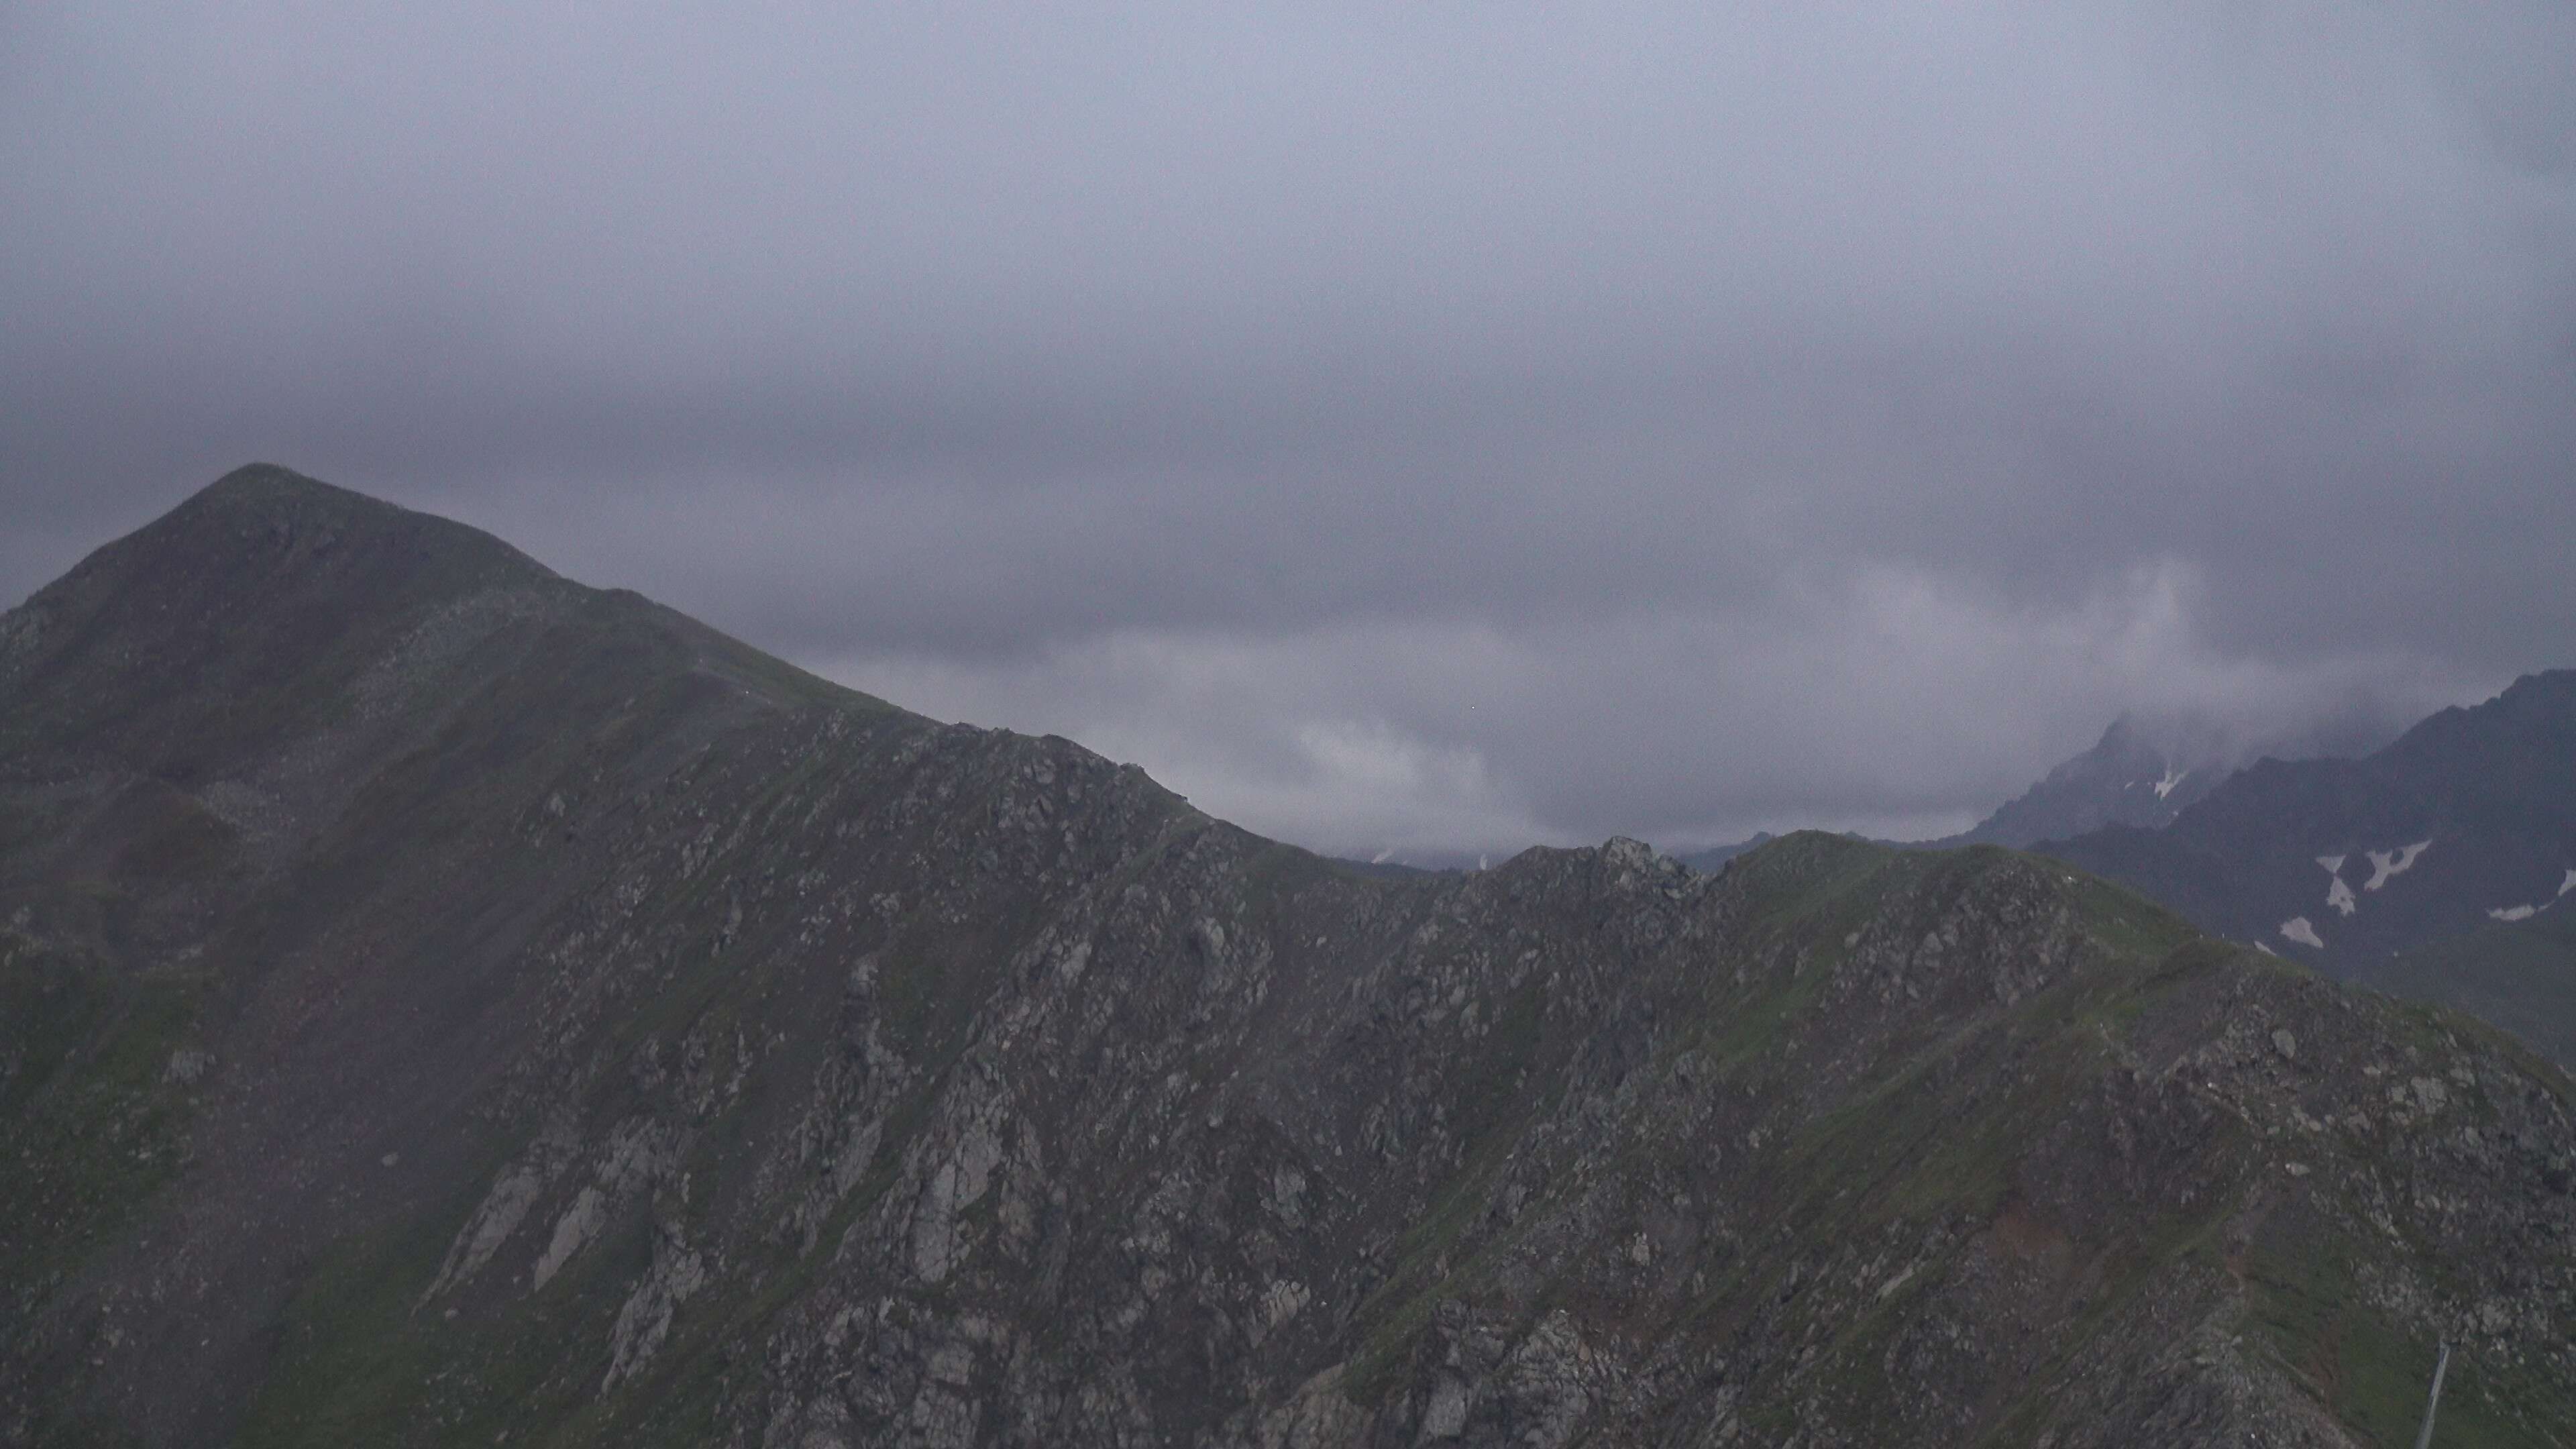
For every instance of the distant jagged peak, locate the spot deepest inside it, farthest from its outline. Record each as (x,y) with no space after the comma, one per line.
(2153,762)
(2543,700)
(2462,824)
(2127,740)
(2213,743)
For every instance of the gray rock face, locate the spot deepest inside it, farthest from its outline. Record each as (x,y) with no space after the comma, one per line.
(628,1040)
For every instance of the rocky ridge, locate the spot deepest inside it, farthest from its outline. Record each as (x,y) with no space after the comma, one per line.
(447,1003)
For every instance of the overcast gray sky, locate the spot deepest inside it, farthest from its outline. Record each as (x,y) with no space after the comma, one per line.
(1437,425)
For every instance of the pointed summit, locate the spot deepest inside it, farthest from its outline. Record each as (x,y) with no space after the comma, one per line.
(264,537)
(286,515)
(255,484)
(259,598)
(272,607)
(2124,778)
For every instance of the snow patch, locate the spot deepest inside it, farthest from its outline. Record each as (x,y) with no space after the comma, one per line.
(2266,950)
(2385,863)
(2333,863)
(2297,929)
(2525,913)
(2340,897)
(2172,778)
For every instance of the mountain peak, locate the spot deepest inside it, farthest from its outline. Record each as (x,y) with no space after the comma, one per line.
(271,483)
(2545,690)
(2126,777)
(277,510)
(280,505)
(2276,853)
(263,588)
(263,537)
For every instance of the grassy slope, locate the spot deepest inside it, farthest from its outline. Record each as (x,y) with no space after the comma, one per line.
(2521,976)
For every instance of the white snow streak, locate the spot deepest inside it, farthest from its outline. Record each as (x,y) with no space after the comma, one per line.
(2385,863)
(2172,778)
(2340,897)
(2525,913)
(2297,929)
(2333,863)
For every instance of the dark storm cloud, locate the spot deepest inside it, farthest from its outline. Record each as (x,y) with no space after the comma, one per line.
(1441,424)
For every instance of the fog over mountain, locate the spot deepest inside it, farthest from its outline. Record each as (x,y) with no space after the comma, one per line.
(1442,427)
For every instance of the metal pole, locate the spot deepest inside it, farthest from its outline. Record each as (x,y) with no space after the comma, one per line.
(2440,1366)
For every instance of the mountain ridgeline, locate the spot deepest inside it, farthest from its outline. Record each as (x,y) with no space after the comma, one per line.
(2135,775)
(441,1003)
(2125,779)
(2468,821)
(2145,775)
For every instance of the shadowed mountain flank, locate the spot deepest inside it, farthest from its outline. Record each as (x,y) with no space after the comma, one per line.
(2125,779)
(2467,820)
(441,1002)
(2520,975)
